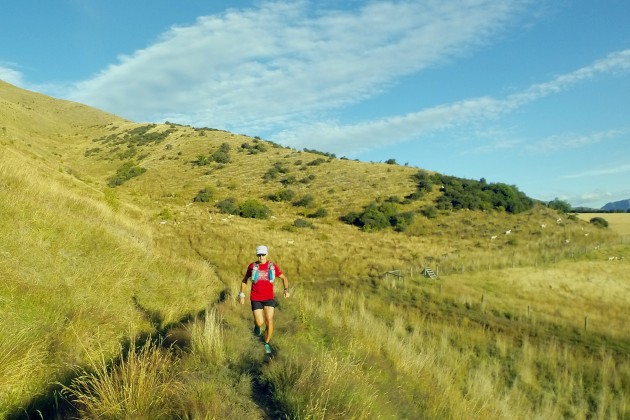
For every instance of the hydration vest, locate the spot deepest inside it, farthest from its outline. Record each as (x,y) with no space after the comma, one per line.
(271,268)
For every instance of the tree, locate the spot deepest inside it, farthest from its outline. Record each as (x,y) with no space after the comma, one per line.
(559,205)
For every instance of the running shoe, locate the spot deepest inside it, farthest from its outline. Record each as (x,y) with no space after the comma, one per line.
(256,330)
(267,348)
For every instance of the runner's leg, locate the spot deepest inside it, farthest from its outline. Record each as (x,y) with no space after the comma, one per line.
(259,318)
(268,314)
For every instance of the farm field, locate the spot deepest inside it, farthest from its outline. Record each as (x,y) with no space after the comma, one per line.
(619,222)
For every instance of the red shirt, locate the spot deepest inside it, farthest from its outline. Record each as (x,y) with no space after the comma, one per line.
(262,289)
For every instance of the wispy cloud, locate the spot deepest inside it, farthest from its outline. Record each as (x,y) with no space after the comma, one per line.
(10,75)
(367,135)
(285,63)
(619,169)
(572,141)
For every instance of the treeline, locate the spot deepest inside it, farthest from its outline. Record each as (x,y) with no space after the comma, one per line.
(457,194)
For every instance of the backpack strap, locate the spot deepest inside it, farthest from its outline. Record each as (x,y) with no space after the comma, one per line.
(272,272)
(255,273)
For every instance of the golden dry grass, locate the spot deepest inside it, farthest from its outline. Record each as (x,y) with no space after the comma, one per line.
(618,222)
(501,333)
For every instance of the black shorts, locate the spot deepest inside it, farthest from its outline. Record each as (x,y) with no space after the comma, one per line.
(259,304)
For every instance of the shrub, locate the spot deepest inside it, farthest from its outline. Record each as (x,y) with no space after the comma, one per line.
(391,162)
(316,162)
(202,160)
(320,212)
(306,201)
(401,221)
(559,205)
(204,195)
(600,222)
(379,216)
(301,223)
(289,180)
(423,180)
(253,209)
(430,212)
(351,218)
(274,171)
(282,195)
(374,219)
(125,173)
(228,206)
(220,157)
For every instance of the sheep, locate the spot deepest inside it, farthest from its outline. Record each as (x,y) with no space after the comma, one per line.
(542,226)
(494,237)
(507,232)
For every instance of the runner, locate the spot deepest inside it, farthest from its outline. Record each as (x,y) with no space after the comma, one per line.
(263,273)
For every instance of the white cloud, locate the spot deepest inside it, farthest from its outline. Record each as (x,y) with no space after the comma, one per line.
(572,141)
(11,75)
(284,62)
(615,170)
(367,135)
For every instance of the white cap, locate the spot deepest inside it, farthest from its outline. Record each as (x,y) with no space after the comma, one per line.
(261,249)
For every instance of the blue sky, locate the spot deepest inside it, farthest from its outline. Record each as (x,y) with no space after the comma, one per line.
(533,93)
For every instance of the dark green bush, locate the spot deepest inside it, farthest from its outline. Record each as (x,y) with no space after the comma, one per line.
(301,223)
(125,173)
(282,195)
(274,171)
(220,157)
(253,209)
(559,205)
(316,162)
(228,206)
(329,155)
(430,212)
(600,222)
(320,212)
(289,180)
(306,201)
(204,195)
(379,216)
(401,221)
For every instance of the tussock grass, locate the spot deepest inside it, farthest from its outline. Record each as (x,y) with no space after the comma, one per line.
(207,338)
(22,361)
(143,384)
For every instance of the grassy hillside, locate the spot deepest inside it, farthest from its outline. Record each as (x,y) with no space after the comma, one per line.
(119,281)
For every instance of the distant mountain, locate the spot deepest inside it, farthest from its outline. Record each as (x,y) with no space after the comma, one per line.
(623,205)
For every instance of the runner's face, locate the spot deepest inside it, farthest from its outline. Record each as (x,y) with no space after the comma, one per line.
(262,258)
